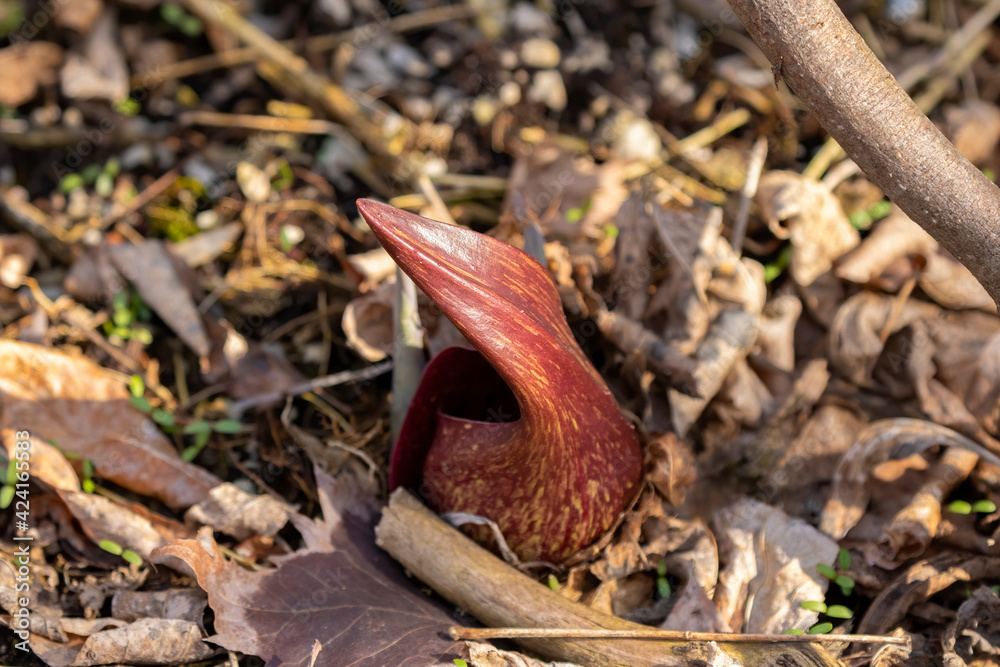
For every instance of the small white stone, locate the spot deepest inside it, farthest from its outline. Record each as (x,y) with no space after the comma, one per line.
(509,94)
(254,183)
(540,53)
(548,88)
(484,109)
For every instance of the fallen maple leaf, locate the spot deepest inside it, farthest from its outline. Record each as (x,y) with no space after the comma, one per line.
(341,591)
(524,432)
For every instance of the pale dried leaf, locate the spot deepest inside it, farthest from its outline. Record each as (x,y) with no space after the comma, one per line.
(806,212)
(233,511)
(24,67)
(79,15)
(202,248)
(17,256)
(485,655)
(150,268)
(98,70)
(367,323)
(187,604)
(103,519)
(771,569)
(974,127)
(151,641)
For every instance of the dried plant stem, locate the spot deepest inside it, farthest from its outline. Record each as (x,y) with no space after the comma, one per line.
(844,85)
(337,102)
(755,165)
(459,632)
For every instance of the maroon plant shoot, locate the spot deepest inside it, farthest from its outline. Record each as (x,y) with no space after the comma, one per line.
(523,430)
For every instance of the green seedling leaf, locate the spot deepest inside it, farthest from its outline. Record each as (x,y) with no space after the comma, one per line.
(844,581)
(113,167)
(132,557)
(228,426)
(141,404)
(984,507)
(70,182)
(104,184)
(663,588)
(190,453)
(661,568)
(793,631)
(827,571)
(611,231)
(88,485)
(813,605)
(460,663)
(128,106)
(959,507)
(88,468)
(552,582)
(200,426)
(6,496)
(162,417)
(844,559)
(839,611)
(111,547)
(136,386)
(12,471)
(574,215)
(821,628)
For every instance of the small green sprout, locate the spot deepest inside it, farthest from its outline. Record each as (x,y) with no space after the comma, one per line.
(821,628)
(813,605)
(111,547)
(959,507)
(552,582)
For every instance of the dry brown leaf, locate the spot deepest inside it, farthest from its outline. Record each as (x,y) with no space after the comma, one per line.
(879,441)
(894,237)
(975,630)
(150,641)
(235,512)
(776,330)
(771,568)
(806,212)
(187,604)
(150,268)
(202,248)
(670,467)
(367,323)
(694,611)
(79,15)
(919,583)
(974,127)
(484,655)
(549,182)
(103,519)
(17,256)
(70,401)
(341,591)
(24,67)
(98,70)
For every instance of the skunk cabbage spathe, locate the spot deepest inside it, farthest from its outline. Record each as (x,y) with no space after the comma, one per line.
(523,431)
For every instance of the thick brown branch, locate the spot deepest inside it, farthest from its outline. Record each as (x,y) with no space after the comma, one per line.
(844,85)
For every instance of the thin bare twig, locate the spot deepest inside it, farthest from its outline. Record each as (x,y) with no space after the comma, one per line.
(458,632)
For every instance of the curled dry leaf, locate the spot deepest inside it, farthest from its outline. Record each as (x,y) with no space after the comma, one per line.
(148,641)
(974,127)
(187,604)
(367,323)
(771,568)
(806,212)
(912,529)
(880,441)
(17,256)
(233,511)
(24,67)
(670,467)
(922,581)
(341,590)
(975,630)
(104,519)
(694,611)
(485,655)
(71,402)
(98,70)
